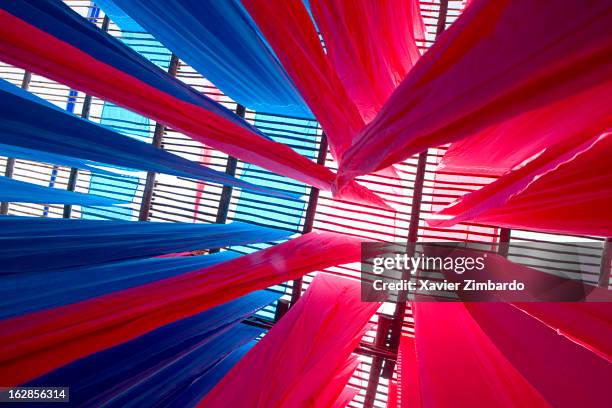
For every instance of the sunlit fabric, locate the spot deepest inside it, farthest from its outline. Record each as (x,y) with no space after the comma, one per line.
(165,361)
(299,49)
(500,148)
(455,355)
(408,392)
(36,343)
(50,39)
(31,291)
(32,244)
(562,191)
(310,346)
(19,191)
(544,358)
(371,45)
(498,60)
(29,122)
(571,308)
(240,64)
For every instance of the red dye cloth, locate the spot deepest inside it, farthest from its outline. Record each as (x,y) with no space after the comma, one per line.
(460,366)
(498,60)
(409,394)
(304,356)
(36,343)
(561,191)
(500,148)
(290,31)
(371,45)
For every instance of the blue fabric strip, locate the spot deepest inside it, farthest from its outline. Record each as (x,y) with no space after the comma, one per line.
(29,292)
(155,368)
(28,122)
(21,192)
(35,244)
(221,41)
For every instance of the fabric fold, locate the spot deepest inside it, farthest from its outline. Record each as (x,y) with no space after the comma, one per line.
(36,343)
(310,346)
(499,59)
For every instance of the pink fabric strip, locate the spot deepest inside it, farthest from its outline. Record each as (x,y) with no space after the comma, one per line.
(290,31)
(303,355)
(408,374)
(371,45)
(36,343)
(561,191)
(460,366)
(498,60)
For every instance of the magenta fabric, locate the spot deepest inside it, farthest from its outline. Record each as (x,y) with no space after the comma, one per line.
(460,366)
(566,191)
(36,343)
(288,28)
(500,148)
(371,45)
(564,374)
(347,395)
(304,354)
(498,60)
(408,389)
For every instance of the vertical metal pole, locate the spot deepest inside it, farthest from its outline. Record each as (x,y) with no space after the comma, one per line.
(377,362)
(311,209)
(10,161)
(504,241)
(606,264)
(147,194)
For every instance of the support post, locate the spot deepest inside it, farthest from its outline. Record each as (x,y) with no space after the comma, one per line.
(606,264)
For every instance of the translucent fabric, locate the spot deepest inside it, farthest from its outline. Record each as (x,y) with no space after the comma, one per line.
(304,358)
(165,361)
(371,45)
(38,128)
(566,191)
(36,343)
(499,59)
(42,244)
(240,64)
(22,192)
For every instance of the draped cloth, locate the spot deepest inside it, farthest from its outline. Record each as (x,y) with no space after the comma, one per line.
(565,191)
(455,355)
(35,244)
(371,45)
(19,191)
(37,128)
(304,354)
(50,39)
(240,64)
(503,147)
(408,392)
(36,343)
(165,361)
(498,60)
(292,35)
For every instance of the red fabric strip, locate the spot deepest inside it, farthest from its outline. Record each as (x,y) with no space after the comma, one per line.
(304,356)
(36,343)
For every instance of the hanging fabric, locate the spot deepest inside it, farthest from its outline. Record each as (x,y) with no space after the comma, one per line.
(560,191)
(500,148)
(498,60)
(29,122)
(27,292)
(408,392)
(164,361)
(35,244)
(288,28)
(36,343)
(311,346)
(455,355)
(371,45)
(543,358)
(241,64)
(52,40)
(21,192)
